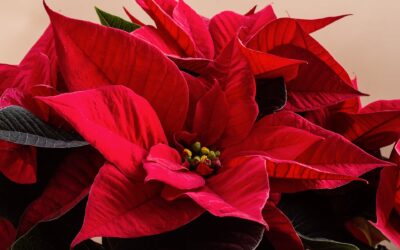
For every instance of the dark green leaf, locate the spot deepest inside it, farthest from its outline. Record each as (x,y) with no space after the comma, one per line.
(20,126)
(271,95)
(110,20)
(325,244)
(207,232)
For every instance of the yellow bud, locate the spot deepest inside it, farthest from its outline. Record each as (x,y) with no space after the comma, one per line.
(205,151)
(211,155)
(196,146)
(203,158)
(187,153)
(217,153)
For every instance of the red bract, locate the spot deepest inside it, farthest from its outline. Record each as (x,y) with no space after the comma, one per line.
(69,185)
(112,57)
(35,75)
(388,199)
(274,48)
(374,126)
(7,234)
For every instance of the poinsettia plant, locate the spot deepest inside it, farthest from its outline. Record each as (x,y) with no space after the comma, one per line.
(238,131)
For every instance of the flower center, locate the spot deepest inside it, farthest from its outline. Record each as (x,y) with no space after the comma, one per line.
(201,160)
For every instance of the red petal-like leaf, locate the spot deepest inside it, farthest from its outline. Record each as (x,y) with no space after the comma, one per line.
(69,185)
(230,193)
(18,163)
(167,24)
(167,5)
(192,65)
(159,39)
(324,117)
(274,144)
(265,65)
(7,234)
(282,142)
(223,27)
(120,207)
(322,82)
(388,199)
(334,154)
(254,23)
(132,18)
(115,120)
(238,84)
(37,67)
(226,25)
(281,233)
(251,11)
(195,26)
(211,116)
(113,56)
(293,170)
(164,164)
(288,170)
(375,126)
(312,25)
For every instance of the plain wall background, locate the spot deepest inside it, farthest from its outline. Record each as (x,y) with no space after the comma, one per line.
(366,44)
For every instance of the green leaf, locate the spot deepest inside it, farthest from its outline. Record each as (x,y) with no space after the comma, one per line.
(20,126)
(112,21)
(325,244)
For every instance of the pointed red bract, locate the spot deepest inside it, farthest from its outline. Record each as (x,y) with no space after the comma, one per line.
(120,207)
(164,164)
(69,185)
(37,67)
(238,84)
(281,233)
(223,27)
(196,27)
(211,118)
(7,234)
(17,86)
(114,120)
(320,83)
(18,163)
(158,39)
(112,56)
(334,154)
(132,18)
(167,24)
(226,25)
(312,25)
(265,65)
(230,193)
(388,199)
(374,126)
(268,142)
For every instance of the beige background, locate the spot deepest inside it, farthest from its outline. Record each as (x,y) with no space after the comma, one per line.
(367,43)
